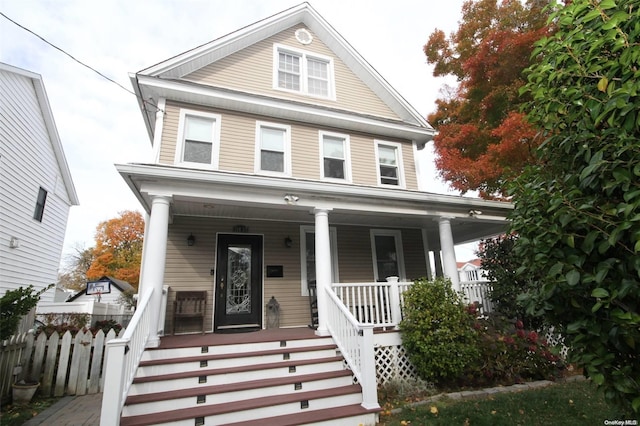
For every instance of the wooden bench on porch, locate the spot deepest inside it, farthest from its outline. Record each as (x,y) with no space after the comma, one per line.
(190,305)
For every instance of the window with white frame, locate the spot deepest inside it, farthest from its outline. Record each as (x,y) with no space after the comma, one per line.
(334,152)
(308,256)
(388,259)
(303,72)
(198,139)
(273,148)
(389,159)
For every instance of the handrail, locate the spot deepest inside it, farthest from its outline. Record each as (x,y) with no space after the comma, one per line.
(355,342)
(122,357)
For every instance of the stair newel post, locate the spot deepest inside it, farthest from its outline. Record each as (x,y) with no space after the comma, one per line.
(112,395)
(369,381)
(394,300)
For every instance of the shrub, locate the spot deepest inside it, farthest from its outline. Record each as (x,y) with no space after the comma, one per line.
(510,354)
(106,326)
(14,305)
(436,331)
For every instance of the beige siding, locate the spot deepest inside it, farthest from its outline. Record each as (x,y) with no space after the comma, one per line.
(237,147)
(252,70)
(188,268)
(414,256)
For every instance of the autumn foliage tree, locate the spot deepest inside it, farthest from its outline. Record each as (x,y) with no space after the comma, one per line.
(483,139)
(118,250)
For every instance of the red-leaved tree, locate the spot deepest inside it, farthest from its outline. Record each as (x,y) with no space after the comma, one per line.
(483,140)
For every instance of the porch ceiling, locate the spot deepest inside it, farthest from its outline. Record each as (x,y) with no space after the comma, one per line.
(247,197)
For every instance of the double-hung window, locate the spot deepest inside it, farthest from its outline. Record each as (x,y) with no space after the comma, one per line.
(334,152)
(303,72)
(389,160)
(273,149)
(198,139)
(388,259)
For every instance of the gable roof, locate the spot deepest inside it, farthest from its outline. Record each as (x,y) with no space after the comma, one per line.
(473,262)
(201,56)
(121,285)
(52,131)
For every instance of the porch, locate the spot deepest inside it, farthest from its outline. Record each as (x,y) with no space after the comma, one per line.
(363,319)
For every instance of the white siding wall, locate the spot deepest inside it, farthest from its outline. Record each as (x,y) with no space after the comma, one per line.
(27,162)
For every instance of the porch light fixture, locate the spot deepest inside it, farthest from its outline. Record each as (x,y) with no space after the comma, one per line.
(288,242)
(191,240)
(291,199)
(474,213)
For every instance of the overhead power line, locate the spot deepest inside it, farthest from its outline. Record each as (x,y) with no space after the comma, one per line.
(73,58)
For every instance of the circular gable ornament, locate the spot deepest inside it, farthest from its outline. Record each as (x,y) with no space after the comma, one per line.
(304,36)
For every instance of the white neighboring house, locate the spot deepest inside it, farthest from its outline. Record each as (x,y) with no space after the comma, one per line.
(105,290)
(36,189)
(471,270)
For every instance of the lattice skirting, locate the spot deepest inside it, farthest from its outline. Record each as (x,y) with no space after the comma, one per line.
(392,364)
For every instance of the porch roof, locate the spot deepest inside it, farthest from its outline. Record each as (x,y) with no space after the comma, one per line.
(206,193)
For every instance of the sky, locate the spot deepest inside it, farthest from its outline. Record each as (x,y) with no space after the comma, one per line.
(100,124)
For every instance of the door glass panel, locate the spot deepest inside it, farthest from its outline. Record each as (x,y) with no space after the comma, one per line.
(238,293)
(386,257)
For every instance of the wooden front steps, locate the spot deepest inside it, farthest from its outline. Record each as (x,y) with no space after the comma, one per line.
(270,377)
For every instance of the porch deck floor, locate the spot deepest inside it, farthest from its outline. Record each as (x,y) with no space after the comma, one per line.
(218,339)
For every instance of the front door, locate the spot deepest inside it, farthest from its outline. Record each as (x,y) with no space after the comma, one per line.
(238,304)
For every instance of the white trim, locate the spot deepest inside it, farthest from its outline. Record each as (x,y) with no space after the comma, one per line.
(287,149)
(335,273)
(399,160)
(282,109)
(347,156)
(397,234)
(304,72)
(215,143)
(157,133)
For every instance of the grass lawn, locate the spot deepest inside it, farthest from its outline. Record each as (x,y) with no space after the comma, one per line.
(571,403)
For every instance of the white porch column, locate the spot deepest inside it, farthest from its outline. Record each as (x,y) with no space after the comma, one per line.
(323,267)
(448,252)
(153,264)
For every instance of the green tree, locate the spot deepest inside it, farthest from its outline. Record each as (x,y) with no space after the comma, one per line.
(577,214)
(501,266)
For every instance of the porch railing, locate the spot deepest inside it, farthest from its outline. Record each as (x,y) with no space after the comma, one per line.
(379,304)
(478,291)
(122,358)
(355,341)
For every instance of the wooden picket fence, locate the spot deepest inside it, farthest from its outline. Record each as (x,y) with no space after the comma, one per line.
(67,365)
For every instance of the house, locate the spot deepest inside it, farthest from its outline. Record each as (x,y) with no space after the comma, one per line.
(100,300)
(36,189)
(105,290)
(285,167)
(471,270)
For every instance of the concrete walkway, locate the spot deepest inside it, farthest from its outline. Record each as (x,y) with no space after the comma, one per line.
(71,411)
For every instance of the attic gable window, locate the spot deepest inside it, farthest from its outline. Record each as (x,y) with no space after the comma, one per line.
(198,139)
(303,72)
(40,202)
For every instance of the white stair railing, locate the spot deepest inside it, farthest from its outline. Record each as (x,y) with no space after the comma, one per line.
(121,362)
(355,342)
